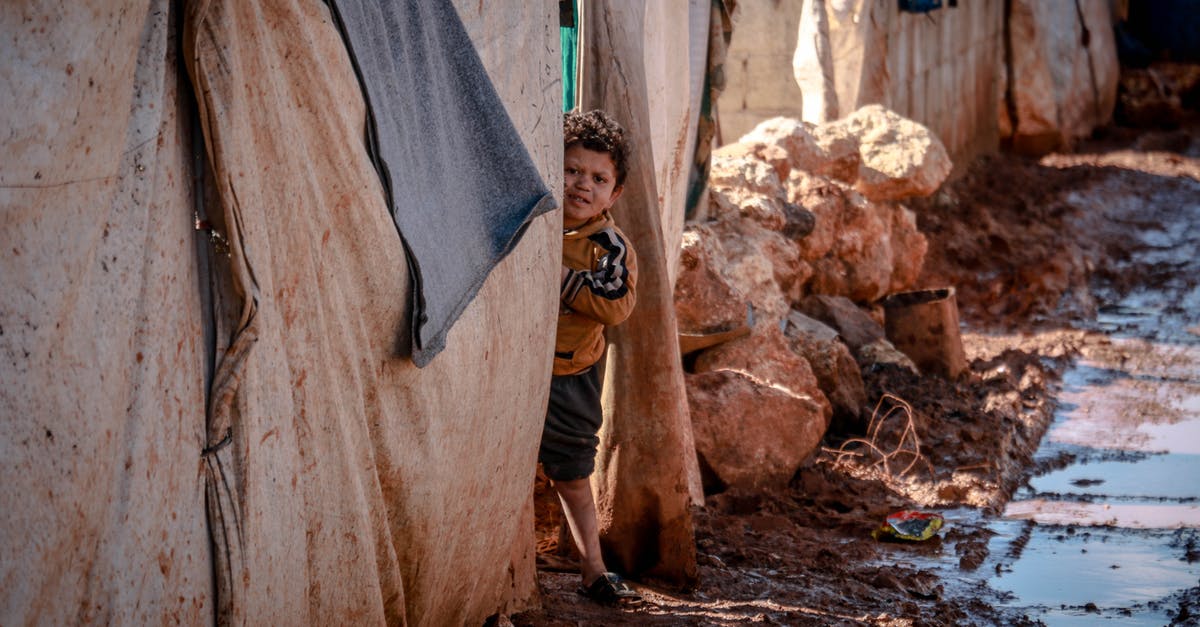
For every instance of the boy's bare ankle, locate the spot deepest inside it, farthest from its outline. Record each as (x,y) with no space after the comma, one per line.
(590,575)
(592,567)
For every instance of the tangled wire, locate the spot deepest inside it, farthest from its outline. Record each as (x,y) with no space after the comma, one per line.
(876,455)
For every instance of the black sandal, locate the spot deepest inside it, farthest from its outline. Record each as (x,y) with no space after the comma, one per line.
(610,589)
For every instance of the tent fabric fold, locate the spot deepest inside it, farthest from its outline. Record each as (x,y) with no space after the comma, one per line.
(294,502)
(355,487)
(461,185)
(647,460)
(102,402)
(206,415)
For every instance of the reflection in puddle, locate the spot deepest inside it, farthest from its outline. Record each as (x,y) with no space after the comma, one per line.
(1082,576)
(1131,404)
(1108,538)
(1112,537)
(1146,477)
(1129,516)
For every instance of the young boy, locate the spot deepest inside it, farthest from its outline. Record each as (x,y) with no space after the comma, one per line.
(597,290)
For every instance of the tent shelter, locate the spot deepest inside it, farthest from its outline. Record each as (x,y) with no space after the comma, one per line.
(638,60)
(1033,74)
(205,413)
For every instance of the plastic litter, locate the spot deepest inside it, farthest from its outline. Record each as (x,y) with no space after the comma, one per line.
(909,526)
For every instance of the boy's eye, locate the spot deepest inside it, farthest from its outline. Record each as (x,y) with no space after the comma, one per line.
(599,179)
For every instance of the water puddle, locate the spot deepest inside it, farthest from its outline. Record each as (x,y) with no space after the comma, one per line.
(1144,478)
(1074,575)
(1111,536)
(1129,516)
(1109,533)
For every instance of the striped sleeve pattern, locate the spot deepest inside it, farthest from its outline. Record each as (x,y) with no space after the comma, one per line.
(610,277)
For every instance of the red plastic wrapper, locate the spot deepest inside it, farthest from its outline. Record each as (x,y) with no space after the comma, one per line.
(910,526)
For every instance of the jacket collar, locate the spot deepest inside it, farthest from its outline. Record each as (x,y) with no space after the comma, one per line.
(598,223)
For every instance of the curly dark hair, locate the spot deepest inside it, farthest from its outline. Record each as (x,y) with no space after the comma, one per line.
(595,130)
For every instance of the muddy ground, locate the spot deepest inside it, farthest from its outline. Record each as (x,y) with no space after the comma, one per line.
(1026,262)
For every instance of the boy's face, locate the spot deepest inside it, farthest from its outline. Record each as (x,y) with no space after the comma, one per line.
(589,185)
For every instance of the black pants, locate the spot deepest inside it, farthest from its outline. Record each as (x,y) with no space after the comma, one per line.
(568,449)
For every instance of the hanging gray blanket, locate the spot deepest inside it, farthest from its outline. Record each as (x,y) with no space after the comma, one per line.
(461,186)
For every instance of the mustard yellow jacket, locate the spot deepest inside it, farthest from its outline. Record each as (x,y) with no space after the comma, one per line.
(597,292)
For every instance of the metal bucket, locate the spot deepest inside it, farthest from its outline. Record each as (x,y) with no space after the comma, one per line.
(924,325)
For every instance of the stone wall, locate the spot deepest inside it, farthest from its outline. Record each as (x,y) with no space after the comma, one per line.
(759,83)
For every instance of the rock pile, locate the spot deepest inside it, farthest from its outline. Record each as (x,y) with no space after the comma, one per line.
(804,222)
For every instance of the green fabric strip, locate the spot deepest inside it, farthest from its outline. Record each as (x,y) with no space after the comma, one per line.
(569,36)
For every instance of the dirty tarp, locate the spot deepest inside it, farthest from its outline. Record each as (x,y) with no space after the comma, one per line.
(461,185)
(101,343)
(665,69)
(335,472)
(941,69)
(347,485)
(646,455)
(812,64)
(711,82)
(1059,88)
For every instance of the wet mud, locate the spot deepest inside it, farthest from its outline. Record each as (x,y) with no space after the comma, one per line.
(1072,272)
(1115,497)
